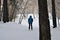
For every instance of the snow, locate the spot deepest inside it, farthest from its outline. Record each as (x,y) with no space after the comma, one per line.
(55,33)
(16,31)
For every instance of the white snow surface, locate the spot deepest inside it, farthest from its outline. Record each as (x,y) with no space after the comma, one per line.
(55,33)
(16,31)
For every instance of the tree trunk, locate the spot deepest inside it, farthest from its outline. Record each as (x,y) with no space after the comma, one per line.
(44,26)
(5,11)
(54,14)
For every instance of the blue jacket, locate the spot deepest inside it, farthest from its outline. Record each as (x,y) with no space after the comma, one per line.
(30,20)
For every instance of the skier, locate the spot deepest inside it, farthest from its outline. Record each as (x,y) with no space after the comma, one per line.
(30,21)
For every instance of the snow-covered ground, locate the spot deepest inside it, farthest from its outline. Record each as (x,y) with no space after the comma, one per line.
(16,31)
(55,33)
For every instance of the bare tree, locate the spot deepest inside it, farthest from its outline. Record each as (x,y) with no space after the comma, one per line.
(54,14)
(44,21)
(0,10)
(5,11)
(12,8)
(23,11)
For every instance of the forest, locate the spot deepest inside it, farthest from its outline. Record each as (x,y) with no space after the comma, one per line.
(9,9)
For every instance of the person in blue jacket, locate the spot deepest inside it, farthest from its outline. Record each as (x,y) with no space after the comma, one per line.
(30,21)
